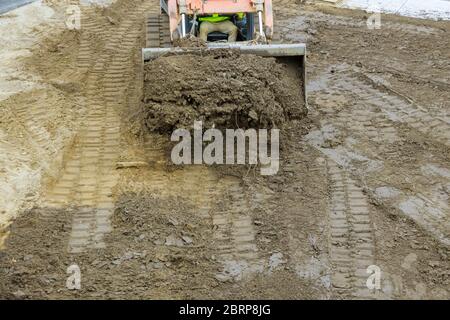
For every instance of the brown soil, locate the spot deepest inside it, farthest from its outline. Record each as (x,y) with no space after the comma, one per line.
(220,88)
(364,179)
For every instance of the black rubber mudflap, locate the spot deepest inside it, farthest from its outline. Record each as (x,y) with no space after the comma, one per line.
(158,31)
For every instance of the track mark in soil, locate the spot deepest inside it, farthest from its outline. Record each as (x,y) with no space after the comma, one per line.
(89,174)
(304,212)
(33,117)
(398,110)
(370,133)
(235,234)
(90,26)
(385,106)
(221,201)
(351,235)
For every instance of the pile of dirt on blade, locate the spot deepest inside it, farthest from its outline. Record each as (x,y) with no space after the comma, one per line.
(190,42)
(221,88)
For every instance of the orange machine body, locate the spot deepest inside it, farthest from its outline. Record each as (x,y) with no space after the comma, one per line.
(205,7)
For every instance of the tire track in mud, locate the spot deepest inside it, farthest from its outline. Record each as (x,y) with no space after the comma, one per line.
(377,114)
(424,206)
(221,201)
(366,124)
(351,235)
(89,174)
(397,109)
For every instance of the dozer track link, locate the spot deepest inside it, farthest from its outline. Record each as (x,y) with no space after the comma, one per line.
(158,31)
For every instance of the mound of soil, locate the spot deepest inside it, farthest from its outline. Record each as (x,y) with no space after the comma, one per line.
(221,88)
(190,42)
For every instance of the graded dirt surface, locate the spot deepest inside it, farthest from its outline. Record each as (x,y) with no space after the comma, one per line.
(222,89)
(364,179)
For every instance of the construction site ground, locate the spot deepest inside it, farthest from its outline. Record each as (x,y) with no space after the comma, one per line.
(363,181)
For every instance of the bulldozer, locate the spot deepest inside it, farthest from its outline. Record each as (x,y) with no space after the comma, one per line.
(178,19)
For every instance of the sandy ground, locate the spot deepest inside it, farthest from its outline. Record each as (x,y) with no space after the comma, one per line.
(20,31)
(363,181)
(39,105)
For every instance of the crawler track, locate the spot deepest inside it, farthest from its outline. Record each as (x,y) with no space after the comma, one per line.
(158,32)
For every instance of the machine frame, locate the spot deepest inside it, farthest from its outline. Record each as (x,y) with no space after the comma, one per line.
(178,10)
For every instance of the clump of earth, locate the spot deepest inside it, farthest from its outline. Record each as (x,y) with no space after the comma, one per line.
(223,89)
(190,42)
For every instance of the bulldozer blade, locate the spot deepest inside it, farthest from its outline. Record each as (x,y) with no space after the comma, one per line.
(292,55)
